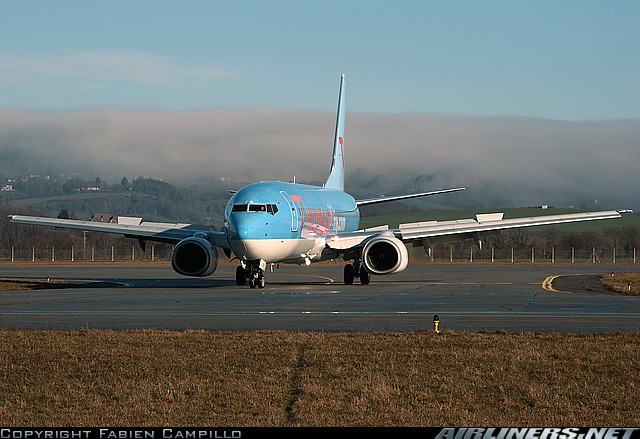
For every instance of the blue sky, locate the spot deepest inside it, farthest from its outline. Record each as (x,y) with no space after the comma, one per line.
(571,60)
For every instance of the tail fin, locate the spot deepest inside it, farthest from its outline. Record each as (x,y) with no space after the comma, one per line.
(336,175)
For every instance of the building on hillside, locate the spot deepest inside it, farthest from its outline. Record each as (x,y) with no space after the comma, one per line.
(104,218)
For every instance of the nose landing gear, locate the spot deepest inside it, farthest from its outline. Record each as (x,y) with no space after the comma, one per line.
(252,271)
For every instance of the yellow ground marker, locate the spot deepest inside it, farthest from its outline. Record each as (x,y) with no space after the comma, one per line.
(547,284)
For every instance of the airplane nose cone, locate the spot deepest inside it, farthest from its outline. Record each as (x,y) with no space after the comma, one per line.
(242,232)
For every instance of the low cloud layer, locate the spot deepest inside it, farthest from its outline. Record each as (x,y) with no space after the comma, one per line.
(504,160)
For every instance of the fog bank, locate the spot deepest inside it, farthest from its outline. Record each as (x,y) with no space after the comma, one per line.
(504,160)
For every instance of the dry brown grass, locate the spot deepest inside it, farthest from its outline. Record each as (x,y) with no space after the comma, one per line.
(22,284)
(623,283)
(149,378)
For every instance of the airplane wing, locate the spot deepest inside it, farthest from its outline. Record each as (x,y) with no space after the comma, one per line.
(442,231)
(143,231)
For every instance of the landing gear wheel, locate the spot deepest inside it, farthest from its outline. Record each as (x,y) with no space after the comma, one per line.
(252,271)
(349,274)
(241,276)
(365,277)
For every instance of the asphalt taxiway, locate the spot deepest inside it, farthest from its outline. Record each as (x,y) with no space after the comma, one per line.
(465,297)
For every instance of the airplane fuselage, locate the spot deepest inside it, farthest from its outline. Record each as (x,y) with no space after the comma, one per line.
(287,222)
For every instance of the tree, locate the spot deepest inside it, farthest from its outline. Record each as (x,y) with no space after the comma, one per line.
(72,185)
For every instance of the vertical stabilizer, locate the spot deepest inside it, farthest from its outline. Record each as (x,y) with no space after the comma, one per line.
(336,175)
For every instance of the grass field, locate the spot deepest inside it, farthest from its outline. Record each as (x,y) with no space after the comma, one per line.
(627,284)
(146,378)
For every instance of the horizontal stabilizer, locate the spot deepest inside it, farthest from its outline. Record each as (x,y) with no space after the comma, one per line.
(404,197)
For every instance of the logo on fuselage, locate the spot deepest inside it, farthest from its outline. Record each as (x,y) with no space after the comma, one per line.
(318,222)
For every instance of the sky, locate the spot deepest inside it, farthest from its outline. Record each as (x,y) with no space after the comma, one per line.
(523,102)
(561,60)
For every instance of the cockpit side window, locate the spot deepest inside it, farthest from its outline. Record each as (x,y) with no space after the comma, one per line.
(272,209)
(239,208)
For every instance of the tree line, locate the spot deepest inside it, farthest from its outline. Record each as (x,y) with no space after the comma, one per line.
(615,242)
(26,241)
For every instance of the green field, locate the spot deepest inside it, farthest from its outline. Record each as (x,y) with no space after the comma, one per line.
(445,215)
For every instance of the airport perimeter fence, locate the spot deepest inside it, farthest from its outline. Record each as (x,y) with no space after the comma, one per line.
(437,254)
(531,254)
(133,253)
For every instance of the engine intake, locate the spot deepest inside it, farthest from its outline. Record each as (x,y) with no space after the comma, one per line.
(385,255)
(194,257)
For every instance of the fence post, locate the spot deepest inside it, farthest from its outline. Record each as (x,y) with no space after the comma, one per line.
(53,253)
(532,255)
(33,254)
(12,255)
(72,255)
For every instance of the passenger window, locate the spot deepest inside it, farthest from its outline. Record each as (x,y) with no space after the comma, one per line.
(239,208)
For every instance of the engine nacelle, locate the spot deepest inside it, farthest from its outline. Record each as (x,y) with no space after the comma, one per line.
(385,254)
(194,257)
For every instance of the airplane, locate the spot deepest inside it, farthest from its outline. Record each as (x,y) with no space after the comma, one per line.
(274,222)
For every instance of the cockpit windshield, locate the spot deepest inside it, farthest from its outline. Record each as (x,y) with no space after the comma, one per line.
(269,208)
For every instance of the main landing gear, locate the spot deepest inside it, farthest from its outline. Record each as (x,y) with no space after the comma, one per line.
(252,271)
(356,270)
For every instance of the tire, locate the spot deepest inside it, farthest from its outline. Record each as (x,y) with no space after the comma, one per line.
(349,274)
(241,276)
(365,277)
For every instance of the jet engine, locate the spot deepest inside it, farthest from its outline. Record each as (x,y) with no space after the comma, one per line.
(194,257)
(385,254)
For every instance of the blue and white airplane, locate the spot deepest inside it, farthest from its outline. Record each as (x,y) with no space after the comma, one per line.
(272,222)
